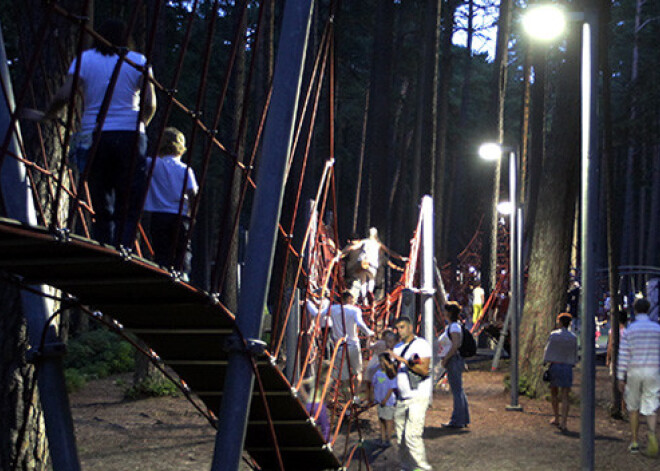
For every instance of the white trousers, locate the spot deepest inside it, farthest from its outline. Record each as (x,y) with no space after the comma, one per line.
(409,424)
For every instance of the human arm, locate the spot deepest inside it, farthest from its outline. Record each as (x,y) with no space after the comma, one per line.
(360,323)
(387,397)
(455,343)
(419,364)
(59,100)
(149,101)
(623,360)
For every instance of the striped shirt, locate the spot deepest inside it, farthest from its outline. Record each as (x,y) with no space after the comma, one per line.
(640,346)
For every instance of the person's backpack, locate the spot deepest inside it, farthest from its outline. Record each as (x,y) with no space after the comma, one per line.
(468,346)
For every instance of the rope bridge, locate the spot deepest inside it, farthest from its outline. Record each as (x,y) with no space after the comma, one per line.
(116,282)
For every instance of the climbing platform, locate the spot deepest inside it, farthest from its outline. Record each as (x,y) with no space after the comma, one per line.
(182,324)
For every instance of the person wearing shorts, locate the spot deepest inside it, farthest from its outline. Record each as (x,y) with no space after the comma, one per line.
(385,397)
(346,320)
(638,373)
(561,351)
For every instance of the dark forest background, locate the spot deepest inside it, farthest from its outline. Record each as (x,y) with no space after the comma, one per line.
(410,109)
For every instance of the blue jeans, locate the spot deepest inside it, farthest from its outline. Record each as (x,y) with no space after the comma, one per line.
(461,414)
(117,181)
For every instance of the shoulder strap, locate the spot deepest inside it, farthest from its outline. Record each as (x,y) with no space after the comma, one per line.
(405,349)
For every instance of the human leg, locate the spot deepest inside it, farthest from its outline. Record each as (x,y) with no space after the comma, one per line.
(400,427)
(652,447)
(554,396)
(414,430)
(460,416)
(129,149)
(564,407)
(161,233)
(383,429)
(650,388)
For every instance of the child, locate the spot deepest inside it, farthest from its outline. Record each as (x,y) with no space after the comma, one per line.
(313,398)
(387,342)
(384,395)
(164,199)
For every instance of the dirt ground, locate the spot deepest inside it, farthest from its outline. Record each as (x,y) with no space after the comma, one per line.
(167,433)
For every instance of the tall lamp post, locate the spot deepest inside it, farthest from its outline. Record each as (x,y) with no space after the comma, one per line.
(492,151)
(550,21)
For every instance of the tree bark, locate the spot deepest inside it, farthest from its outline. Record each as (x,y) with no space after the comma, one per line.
(444,186)
(378,154)
(612,218)
(23,444)
(549,259)
(497,135)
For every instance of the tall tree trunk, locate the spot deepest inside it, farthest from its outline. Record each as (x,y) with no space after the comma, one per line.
(23,441)
(612,218)
(653,239)
(23,444)
(549,259)
(536,145)
(497,134)
(229,290)
(628,246)
(378,153)
(444,195)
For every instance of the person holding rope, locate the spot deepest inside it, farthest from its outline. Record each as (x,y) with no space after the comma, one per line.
(346,319)
(117,177)
(167,228)
(413,358)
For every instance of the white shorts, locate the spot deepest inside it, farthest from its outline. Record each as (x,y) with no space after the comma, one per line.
(642,388)
(354,358)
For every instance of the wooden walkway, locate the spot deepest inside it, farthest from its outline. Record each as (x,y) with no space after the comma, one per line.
(180,323)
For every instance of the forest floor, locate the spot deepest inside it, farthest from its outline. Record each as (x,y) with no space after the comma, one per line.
(167,434)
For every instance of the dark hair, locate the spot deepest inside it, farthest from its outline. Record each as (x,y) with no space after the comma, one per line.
(403,319)
(346,294)
(565,321)
(454,310)
(623,316)
(642,305)
(114,31)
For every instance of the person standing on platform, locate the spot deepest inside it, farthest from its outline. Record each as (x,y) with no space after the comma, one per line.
(346,319)
(478,298)
(638,373)
(168,228)
(414,385)
(117,177)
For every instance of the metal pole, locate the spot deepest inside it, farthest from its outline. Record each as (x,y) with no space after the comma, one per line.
(427,290)
(292,332)
(37,310)
(589,219)
(267,205)
(514,278)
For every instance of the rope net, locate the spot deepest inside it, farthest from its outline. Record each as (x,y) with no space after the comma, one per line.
(70,186)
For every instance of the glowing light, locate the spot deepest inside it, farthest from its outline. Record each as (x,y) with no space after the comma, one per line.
(505,207)
(490,151)
(544,22)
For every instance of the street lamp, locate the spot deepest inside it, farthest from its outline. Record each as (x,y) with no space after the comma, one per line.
(589,210)
(491,151)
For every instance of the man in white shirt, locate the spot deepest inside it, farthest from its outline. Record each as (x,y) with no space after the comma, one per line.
(414,386)
(638,373)
(346,318)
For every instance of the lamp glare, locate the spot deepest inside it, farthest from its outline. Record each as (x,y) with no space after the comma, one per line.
(490,151)
(505,208)
(544,22)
